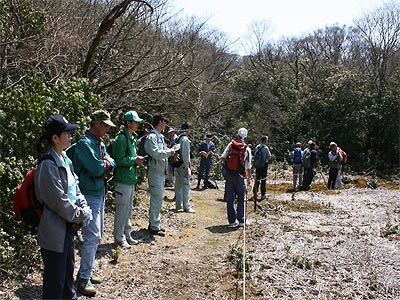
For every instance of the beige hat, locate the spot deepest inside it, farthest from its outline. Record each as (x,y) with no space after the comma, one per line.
(102,116)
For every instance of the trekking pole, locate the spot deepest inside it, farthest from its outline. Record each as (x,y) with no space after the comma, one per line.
(320,171)
(244,247)
(274,186)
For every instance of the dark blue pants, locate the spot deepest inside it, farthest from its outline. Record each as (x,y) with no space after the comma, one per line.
(205,165)
(235,185)
(59,270)
(261,173)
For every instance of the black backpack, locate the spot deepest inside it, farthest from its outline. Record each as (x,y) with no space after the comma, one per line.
(177,160)
(109,147)
(259,160)
(142,151)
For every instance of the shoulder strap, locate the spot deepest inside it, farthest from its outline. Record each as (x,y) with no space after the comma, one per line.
(44,157)
(179,138)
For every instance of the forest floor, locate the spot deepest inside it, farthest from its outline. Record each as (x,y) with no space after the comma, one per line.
(317,244)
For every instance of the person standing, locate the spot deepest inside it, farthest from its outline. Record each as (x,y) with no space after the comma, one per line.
(125,176)
(310,161)
(92,163)
(169,182)
(155,147)
(297,165)
(261,157)
(335,159)
(206,151)
(65,209)
(183,172)
(237,161)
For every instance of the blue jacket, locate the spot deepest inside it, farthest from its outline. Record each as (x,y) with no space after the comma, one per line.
(207,148)
(89,164)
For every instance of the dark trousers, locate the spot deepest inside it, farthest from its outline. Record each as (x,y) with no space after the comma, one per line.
(333,173)
(59,270)
(235,186)
(308,176)
(261,173)
(205,166)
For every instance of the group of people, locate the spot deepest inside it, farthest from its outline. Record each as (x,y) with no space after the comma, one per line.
(72,186)
(305,161)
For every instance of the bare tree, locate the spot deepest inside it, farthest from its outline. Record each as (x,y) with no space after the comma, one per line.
(381,30)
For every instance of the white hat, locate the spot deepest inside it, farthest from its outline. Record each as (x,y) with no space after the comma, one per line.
(242,132)
(332,144)
(171,130)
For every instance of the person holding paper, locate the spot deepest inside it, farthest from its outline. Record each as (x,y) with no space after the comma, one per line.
(206,151)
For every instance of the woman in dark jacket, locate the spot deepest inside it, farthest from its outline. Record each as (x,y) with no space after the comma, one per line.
(65,209)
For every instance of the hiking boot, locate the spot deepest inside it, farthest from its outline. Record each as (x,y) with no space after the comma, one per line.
(93,279)
(131,241)
(123,245)
(156,232)
(241,224)
(190,210)
(85,287)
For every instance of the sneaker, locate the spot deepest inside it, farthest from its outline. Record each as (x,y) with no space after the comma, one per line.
(241,224)
(232,224)
(156,232)
(123,245)
(190,210)
(85,287)
(131,241)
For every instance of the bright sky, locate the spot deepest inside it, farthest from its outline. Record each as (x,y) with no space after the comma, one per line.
(287,17)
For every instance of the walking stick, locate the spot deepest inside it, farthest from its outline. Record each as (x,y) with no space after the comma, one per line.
(320,171)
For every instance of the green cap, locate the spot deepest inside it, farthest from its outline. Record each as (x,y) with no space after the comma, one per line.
(132,116)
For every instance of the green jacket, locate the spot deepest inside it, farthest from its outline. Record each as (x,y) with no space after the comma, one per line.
(124,152)
(90,166)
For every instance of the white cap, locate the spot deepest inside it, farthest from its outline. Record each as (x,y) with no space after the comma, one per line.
(332,144)
(242,132)
(171,130)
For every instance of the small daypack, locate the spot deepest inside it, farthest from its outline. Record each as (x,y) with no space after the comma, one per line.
(297,156)
(307,158)
(344,155)
(109,148)
(177,160)
(142,151)
(71,149)
(259,160)
(26,205)
(235,158)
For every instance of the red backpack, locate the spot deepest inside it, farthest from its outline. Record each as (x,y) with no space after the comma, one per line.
(344,155)
(235,158)
(26,206)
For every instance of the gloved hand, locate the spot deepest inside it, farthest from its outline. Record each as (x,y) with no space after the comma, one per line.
(88,215)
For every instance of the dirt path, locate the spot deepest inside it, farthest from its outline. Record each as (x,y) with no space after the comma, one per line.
(190,262)
(316,245)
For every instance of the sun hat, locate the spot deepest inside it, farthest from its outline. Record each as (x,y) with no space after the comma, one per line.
(102,116)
